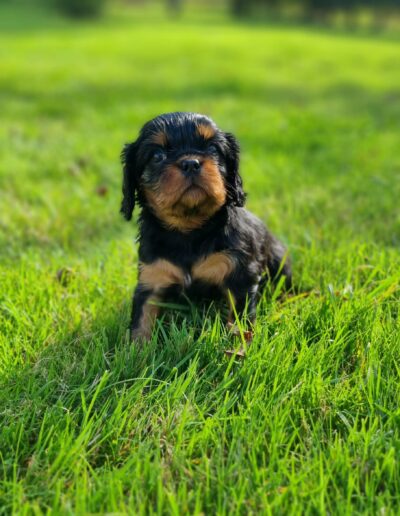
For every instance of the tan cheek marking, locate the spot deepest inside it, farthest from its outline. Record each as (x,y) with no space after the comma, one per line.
(213,269)
(173,182)
(168,190)
(160,274)
(206,131)
(150,312)
(211,179)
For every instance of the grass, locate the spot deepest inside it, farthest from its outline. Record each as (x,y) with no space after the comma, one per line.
(309,421)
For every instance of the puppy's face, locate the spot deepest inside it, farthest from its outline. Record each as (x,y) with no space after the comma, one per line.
(183,168)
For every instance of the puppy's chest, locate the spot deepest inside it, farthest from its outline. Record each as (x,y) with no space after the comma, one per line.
(212,269)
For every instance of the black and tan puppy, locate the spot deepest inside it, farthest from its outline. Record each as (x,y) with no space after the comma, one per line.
(195,238)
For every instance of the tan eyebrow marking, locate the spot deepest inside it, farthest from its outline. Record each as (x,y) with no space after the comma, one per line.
(206,131)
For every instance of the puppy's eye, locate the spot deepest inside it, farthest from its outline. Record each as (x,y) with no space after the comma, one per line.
(159,156)
(212,149)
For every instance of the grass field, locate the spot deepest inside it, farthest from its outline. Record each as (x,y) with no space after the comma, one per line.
(309,421)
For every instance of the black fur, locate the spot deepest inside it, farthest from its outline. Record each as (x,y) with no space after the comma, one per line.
(130,180)
(258,255)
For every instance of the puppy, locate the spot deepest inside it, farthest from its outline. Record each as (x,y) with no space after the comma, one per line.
(196,238)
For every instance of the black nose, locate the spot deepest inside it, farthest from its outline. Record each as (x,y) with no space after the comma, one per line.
(190,165)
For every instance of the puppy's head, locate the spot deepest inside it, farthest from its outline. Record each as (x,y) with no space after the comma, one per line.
(183,168)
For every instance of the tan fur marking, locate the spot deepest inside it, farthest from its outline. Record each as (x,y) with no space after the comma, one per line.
(169,189)
(214,268)
(172,216)
(159,138)
(184,223)
(149,315)
(206,131)
(211,180)
(160,274)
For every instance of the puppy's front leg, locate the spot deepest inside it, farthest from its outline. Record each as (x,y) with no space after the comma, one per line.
(144,313)
(155,279)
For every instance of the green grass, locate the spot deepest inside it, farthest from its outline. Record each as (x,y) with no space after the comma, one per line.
(309,421)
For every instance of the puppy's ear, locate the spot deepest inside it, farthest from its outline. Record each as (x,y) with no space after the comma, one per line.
(130,180)
(236,195)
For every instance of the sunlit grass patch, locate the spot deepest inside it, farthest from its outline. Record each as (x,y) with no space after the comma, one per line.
(308,420)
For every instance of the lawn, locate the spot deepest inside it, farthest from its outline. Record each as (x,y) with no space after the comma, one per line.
(308,422)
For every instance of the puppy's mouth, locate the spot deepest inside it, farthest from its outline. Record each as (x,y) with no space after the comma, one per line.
(193,195)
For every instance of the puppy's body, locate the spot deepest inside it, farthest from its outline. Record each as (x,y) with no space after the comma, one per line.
(195,236)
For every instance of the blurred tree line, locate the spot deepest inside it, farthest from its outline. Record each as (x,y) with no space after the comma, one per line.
(316,10)
(79,8)
(312,9)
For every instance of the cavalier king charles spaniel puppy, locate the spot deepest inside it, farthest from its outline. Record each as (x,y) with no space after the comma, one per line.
(196,238)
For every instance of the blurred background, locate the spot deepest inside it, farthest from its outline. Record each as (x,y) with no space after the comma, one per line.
(353,13)
(311,88)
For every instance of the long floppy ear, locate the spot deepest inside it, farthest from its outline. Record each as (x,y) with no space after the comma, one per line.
(236,195)
(130,179)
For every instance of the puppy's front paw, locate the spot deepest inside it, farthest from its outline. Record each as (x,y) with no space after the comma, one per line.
(140,336)
(248,335)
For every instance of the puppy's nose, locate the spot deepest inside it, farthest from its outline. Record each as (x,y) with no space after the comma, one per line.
(190,166)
